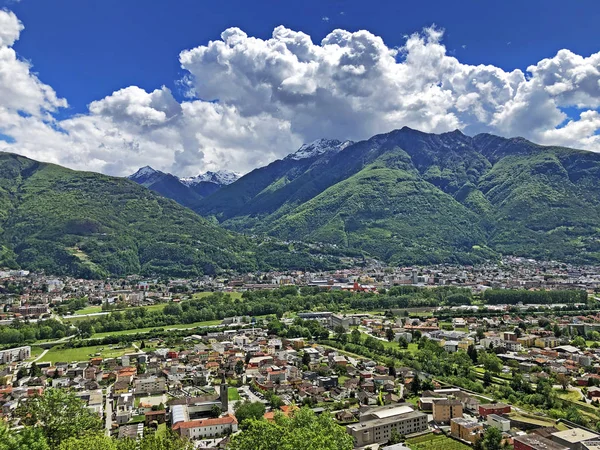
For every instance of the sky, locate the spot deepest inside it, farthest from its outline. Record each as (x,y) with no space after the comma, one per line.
(187,86)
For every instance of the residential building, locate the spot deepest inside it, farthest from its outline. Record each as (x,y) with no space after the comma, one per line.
(150,385)
(380,423)
(493,408)
(15,354)
(202,428)
(445,409)
(499,422)
(466,430)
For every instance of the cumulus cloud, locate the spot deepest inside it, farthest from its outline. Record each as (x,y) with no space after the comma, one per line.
(262,98)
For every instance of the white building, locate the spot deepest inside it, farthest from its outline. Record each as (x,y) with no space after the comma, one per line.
(15,354)
(202,428)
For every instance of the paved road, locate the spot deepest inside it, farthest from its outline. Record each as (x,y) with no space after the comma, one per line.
(108,410)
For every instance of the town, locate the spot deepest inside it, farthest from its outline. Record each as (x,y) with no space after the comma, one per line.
(417,358)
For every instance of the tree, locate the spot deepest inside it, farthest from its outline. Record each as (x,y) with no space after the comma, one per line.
(59,415)
(492,439)
(28,439)
(215,411)
(563,380)
(490,362)
(355,336)
(304,430)
(472,353)
(402,342)
(35,371)
(247,410)
(487,378)
(239,367)
(579,342)
(389,334)
(306,359)
(415,386)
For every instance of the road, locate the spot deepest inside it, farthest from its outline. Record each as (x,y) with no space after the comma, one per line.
(108,410)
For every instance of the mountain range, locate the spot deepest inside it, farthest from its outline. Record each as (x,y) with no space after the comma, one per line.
(411,197)
(185,191)
(90,225)
(404,197)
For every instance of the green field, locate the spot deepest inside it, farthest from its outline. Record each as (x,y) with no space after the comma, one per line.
(97,308)
(59,354)
(412,347)
(435,442)
(233,295)
(183,326)
(91,309)
(571,395)
(233,394)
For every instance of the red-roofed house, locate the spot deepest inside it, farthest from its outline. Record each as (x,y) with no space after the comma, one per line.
(197,429)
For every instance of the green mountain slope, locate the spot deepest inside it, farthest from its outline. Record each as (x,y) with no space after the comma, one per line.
(412,197)
(86,224)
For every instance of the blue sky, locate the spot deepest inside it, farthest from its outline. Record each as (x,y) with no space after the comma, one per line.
(83,51)
(88,49)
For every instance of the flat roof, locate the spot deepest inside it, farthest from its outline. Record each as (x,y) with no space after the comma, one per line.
(538,442)
(377,422)
(395,411)
(575,435)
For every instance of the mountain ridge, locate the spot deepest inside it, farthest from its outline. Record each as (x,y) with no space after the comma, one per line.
(510,196)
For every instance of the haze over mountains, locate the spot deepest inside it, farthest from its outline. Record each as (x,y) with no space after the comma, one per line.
(411,197)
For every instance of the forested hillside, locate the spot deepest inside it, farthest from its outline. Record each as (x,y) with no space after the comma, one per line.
(91,225)
(412,197)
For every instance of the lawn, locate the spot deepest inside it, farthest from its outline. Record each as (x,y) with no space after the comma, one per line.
(59,354)
(571,395)
(435,442)
(233,394)
(183,326)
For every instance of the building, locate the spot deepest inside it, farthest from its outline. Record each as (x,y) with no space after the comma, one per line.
(15,354)
(202,428)
(573,438)
(465,429)
(150,385)
(493,408)
(536,442)
(445,409)
(377,426)
(499,422)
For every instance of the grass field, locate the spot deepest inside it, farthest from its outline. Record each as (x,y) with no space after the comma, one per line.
(412,348)
(233,295)
(59,354)
(435,442)
(233,394)
(89,310)
(97,309)
(183,326)
(571,395)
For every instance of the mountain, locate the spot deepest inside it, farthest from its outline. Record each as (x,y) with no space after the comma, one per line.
(91,225)
(221,178)
(185,191)
(412,197)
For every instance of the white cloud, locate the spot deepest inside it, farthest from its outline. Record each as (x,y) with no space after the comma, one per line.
(271,95)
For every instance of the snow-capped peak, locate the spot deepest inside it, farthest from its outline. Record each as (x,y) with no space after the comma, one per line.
(145,171)
(317,148)
(220,177)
